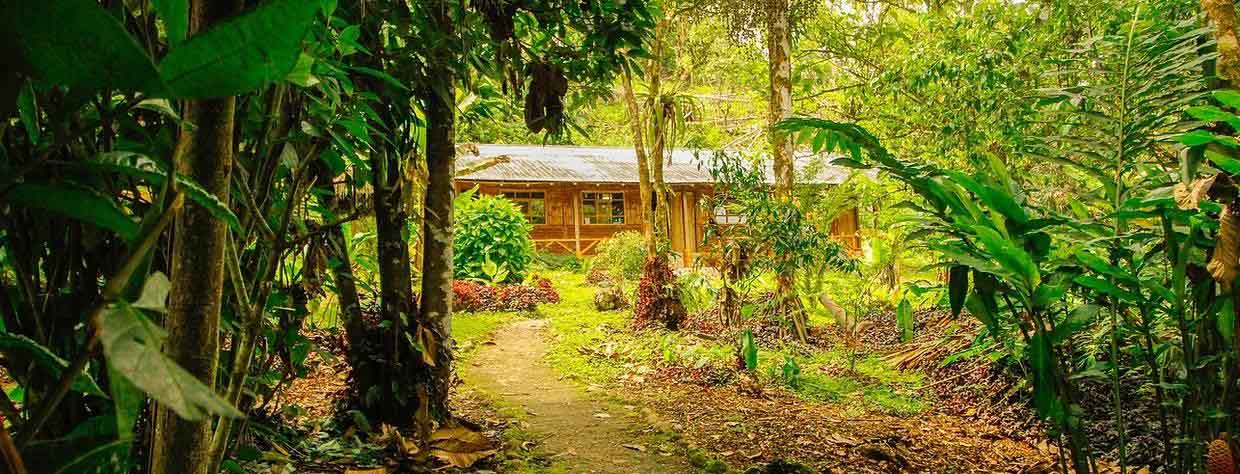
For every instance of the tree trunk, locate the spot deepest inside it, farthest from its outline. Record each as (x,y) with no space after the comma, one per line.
(779,48)
(342,271)
(643,164)
(205,150)
(1222,15)
(382,371)
(435,317)
(660,110)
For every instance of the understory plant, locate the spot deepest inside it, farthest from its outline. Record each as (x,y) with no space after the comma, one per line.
(1135,280)
(622,256)
(775,236)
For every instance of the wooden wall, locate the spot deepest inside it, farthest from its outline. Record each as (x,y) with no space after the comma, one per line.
(564,234)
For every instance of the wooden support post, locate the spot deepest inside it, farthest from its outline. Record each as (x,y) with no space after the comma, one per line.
(577,223)
(689,231)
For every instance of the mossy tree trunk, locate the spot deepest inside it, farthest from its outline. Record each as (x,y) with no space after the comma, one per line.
(342,270)
(435,318)
(779,49)
(205,154)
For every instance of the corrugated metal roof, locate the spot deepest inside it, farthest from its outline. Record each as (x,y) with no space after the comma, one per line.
(555,163)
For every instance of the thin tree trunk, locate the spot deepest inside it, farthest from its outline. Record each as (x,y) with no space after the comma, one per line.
(779,49)
(659,111)
(205,152)
(342,271)
(435,318)
(381,371)
(643,164)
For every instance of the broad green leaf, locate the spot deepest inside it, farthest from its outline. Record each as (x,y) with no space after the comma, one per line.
(1106,287)
(143,167)
(749,350)
(1079,318)
(127,402)
(154,294)
(1195,138)
(1008,255)
(131,344)
(76,43)
(981,311)
(161,106)
(102,426)
(1228,97)
(904,319)
(241,54)
(109,457)
(175,14)
(74,203)
(1223,161)
(301,73)
(1042,360)
(1226,322)
(1210,113)
(957,287)
(385,77)
(55,366)
(28,110)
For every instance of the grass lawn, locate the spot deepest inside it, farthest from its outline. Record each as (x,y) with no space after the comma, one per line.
(597,347)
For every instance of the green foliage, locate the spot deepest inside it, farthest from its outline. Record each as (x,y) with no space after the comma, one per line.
(698,293)
(621,256)
(491,239)
(241,54)
(904,320)
(791,372)
(132,343)
(1037,274)
(749,351)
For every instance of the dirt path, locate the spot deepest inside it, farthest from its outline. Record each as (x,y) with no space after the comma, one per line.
(587,433)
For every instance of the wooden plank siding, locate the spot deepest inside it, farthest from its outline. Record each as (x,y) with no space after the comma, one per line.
(565,231)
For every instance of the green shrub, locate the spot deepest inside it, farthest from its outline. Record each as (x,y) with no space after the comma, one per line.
(697,292)
(492,240)
(622,256)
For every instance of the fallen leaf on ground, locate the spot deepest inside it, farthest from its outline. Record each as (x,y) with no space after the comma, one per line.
(636,447)
(459,446)
(602,415)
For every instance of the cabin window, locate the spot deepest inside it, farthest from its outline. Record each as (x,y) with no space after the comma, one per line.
(532,204)
(602,208)
(727,214)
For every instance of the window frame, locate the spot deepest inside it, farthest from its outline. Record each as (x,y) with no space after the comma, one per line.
(504,194)
(726,214)
(624,211)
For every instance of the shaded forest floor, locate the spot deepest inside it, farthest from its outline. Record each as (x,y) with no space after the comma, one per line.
(571,389)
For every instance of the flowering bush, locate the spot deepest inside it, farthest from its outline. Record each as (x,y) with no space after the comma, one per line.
(476,296)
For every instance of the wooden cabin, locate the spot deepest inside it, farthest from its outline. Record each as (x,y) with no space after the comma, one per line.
(576,197)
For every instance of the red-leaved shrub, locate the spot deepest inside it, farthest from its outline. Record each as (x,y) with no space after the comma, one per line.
(658,299)
(475,296)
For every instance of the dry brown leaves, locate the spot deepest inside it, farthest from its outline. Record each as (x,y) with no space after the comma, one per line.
(747,430)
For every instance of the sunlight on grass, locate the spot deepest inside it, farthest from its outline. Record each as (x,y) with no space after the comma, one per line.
(597,347)
(576,327)
(472,328)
